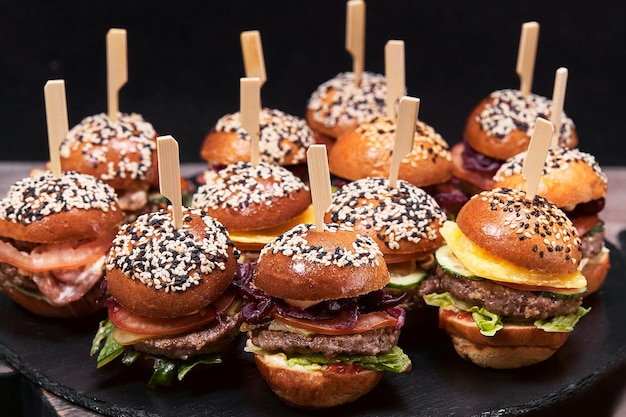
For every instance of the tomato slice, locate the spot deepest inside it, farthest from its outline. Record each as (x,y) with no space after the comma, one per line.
(48,257)
(584,224)
(364,322)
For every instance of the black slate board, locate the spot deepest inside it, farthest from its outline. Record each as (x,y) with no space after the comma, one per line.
(581,375)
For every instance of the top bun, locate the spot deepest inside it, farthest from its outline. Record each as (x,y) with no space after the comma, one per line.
(283,139)
(569,177)
(366,152)
(45,209)
(306,265)
(156,270)
(339,105)
(404,221)
(121,153)
(535,235)
(245,197)
(502,124)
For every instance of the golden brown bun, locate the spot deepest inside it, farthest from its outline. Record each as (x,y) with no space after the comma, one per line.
(283,139)
(256,207)
(330,132)
(316,389)
(516,140)
(86,305)
(472,182)
(285,276)
(366,152)
(536,236)
(595,272)
(511,347)
(147,301)
(569,177)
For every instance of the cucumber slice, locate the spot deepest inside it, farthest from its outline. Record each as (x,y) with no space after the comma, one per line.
(451,264)
(563,295)
(407,281)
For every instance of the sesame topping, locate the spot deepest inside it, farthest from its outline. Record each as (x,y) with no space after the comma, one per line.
(532,218)
(557,159)
(349,101)
(404,213)
(364,251)
(33,198)
(427,143)
(94,133)
(237,186)
(168,259)
(280,133)
(507,110)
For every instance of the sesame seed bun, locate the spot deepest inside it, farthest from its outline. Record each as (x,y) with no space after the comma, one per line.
(339,105)
(45,209)
(501,125)
(323,388)
(511,347)
(366,152)
(535,235)
(244,197)
(283,139)
(404,221)
(141,274)
(306,265)
(121,153)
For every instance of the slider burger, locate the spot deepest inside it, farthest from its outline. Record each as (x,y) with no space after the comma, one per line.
(366,151)
(255,203)
(507,284)
(120,153)
(320,327)
(499,127)
(574,181)
(404,221)
(340,105)
(171,301)
(55,234)
(283,140)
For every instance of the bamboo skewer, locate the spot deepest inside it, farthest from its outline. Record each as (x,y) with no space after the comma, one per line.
(253,59)
(169,176)
(558,100)
(394,75)
(319,177)
(250,109)
(117,69)
(526,56)
(405,132)
(536,156)
(57,121)
(355,37)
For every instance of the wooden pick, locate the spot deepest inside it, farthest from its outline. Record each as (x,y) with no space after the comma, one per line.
(117,68)
(250,110)
(56,118)
(558,100)
(405,132)
(169,176)
(319,177)
(394,74)
(253,59)
(526,56)
(536,157)
(355,36)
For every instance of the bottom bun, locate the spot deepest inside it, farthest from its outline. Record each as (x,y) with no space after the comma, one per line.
(511,347)
(87,305)
(595,271)
(315,389)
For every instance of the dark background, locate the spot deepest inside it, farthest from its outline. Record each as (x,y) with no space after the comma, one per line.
(184,60)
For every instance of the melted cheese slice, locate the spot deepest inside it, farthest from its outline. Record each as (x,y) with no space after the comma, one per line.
(482,264)
(265,236)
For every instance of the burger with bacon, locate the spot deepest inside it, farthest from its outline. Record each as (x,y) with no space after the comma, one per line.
(507,284)
(55,234)
(319,324)
(574,181)
(171,302)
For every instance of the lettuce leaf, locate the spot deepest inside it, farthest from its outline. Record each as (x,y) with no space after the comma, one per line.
(562,323)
